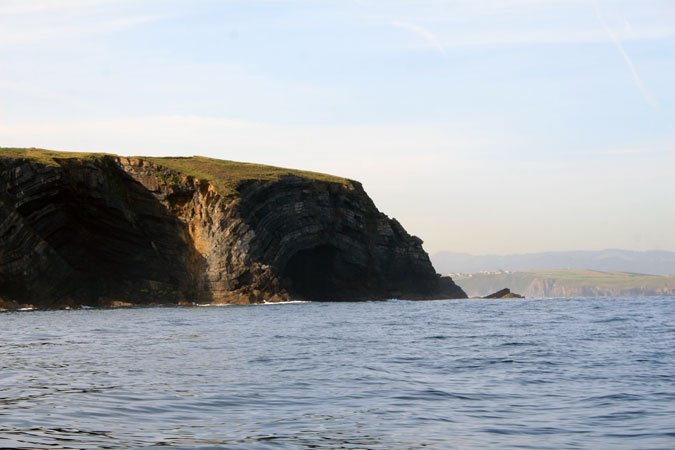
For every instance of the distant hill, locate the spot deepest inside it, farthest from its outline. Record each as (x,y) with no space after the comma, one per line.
(566,283)
(654,262)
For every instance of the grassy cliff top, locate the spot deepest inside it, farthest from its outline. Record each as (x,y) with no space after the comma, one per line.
(44,156)
(225,175)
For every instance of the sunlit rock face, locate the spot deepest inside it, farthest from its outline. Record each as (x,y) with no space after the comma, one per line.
(105,230)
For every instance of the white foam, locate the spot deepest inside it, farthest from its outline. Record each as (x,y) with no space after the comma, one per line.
(213,304)
(286,303)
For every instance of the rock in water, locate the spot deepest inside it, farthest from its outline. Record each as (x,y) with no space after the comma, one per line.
(504,293)
(98,229)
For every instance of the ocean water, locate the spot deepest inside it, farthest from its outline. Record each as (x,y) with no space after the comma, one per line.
(557,373)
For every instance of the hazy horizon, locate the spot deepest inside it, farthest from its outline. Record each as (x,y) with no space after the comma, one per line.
(484,127)
(598,250)
(655,262)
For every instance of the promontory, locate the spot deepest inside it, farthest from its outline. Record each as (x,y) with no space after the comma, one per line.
(96,229)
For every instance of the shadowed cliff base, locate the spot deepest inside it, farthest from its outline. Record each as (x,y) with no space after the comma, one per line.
(101,230)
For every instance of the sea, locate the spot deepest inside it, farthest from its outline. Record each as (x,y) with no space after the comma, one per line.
(573,373)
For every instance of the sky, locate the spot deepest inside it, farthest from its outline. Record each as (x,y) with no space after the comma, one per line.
(483,126)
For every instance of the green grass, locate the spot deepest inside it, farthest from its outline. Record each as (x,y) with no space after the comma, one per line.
(609,279)
(225,175)
(47,157)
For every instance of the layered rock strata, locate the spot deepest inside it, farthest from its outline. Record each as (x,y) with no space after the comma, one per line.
(109,230)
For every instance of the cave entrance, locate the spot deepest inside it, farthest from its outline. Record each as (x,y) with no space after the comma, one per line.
(321,273)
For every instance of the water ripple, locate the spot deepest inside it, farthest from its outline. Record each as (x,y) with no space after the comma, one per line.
(572,373)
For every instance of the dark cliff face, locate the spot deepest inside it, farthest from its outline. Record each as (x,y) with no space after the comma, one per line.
(108,229)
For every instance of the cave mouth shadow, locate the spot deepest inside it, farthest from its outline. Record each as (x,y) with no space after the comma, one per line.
(322,273)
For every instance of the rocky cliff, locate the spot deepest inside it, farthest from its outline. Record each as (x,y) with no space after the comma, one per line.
(104,230)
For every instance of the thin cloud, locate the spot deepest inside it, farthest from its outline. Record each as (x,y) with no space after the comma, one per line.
(552,37)
(627,151)
(423,32)
(17,36)
(40,6)
(33,91)
(471,23)
(543,36)
(617,43)
(246,139)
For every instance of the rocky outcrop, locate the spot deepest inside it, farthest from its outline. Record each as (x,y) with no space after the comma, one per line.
(503,293)
(109,230)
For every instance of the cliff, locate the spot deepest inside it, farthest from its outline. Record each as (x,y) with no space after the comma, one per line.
(92,229)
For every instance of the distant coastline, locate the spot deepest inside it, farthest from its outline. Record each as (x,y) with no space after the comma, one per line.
(566,283)
(653,262)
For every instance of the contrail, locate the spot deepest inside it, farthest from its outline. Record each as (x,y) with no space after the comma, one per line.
(426,34)
(638,81)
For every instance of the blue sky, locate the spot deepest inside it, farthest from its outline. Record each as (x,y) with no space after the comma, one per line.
(484,126)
